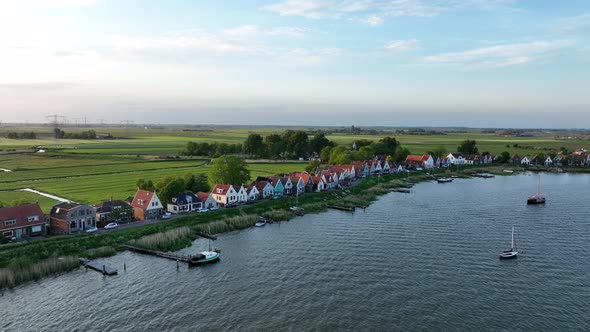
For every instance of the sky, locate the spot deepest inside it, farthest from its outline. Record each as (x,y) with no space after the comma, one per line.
(474,63)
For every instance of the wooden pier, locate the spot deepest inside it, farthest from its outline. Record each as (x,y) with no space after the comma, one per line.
(341,208)
(181,258)
(401,190)
(98,267)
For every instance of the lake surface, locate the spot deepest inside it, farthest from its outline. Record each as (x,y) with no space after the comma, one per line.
(425,261)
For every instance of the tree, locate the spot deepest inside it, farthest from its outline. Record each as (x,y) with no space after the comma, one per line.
(229,170)
(390,143)
(254,146)
(12,135)
(325,154)
(312,166)
(275,145)
(340,155)
(170,189)
(389,159)
(196,183)
(467,147)
(505,157)
(318,142)
(365,153)
(439,151)
(296,143)
(145,184)
(401,154)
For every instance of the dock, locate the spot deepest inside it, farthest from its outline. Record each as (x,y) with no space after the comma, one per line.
(207,236)
(181,258)
(341,208)
(401,190)
(102,268)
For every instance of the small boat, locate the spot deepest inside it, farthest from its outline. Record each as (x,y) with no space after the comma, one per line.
(510,253)
(444,180)
(261,222)
(205,257)
(537,198)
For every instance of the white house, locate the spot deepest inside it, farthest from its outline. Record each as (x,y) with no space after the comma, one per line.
(225,194)
(253,193)
(299,185)
(265,189)
(208,201)
(184,202)
(525,161)
(548,161)
(241,193)
(456,159)
(318,183)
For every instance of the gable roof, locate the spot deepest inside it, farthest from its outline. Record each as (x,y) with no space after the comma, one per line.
(183,198)
(21,215)
(260,185)
(203,196)
(142,199)
(109,206)
(60,211)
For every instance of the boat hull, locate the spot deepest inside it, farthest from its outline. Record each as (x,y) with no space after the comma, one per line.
(508,255)
(204,258)
(534,201)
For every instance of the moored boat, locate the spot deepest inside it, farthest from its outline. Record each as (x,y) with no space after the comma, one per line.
(537,198)
(204,257)
(510,253)
(261,222)
(444,180)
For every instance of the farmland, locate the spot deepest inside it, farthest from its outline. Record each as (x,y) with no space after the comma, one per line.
(89,171)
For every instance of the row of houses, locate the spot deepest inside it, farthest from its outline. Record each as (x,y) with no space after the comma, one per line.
(427,161)
(576,158)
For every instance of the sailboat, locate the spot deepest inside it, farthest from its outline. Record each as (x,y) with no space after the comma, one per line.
(537,198)
(204,257)
(510,253)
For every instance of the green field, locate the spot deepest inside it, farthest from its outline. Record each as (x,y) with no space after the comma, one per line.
(8,196)
(90,171)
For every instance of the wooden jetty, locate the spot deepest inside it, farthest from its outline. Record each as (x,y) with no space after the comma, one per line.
(401,190)
(341,208)
(98,267)
(181,258)
(207,236)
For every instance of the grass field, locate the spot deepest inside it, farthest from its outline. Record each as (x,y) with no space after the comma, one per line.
(90,171)
(8,196)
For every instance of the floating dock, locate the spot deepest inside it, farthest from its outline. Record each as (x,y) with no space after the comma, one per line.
(401,190)
(102,268)
(341,208)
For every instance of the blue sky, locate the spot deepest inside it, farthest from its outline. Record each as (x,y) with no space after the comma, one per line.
(495,63)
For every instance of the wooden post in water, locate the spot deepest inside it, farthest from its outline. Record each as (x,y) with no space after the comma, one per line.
(124,267)
(104,269)
(177,265)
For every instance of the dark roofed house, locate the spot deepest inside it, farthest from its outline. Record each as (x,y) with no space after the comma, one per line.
(68,218)
(184,202)
(22,221)
(113,210)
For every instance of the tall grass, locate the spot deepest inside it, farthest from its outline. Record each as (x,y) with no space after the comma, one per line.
(105,251)
(227,224)
(278,215)
(10,277)
(170,240)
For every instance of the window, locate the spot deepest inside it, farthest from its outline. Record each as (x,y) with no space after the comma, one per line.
(33,218)
(10,222)
(81,212)
(36,229)
(7,234)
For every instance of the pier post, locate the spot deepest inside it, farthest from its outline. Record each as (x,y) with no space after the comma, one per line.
(177,265)
(104,269)
(124,267)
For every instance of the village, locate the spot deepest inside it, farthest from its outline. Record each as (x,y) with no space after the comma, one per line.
(28,221)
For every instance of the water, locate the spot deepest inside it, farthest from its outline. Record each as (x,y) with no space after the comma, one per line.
(423,261)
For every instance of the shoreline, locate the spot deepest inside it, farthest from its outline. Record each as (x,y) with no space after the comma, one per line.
(361,195)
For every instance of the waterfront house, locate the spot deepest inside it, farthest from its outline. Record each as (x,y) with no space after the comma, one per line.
(242,195)
(456,159)
(516,159)
(548,161)
(329,180)
(265,189)
(22,221)
(112,210)
(252,193)
(225,194)
(68,218)
(318,184)
(279,189)
(425,161)
(306,178)
(208,201)
(184,202)
(146,205)
(557,160)
(299,185)
(525,161)
(287,185)
(386,169)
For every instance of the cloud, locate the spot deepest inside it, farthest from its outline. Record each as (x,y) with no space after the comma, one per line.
(373,20)
(288,31)
(499,55)
(402,45)
(318,8)
(576,25)
(242,31)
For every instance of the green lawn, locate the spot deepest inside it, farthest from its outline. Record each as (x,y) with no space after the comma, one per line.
(6,197)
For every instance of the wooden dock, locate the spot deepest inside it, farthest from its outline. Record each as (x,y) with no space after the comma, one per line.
(341,208)
(181,258)
(401,190)
(98,267)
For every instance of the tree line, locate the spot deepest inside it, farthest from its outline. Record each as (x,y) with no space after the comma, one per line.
(24,135)
(88,134)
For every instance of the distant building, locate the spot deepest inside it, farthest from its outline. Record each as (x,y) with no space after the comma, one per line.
(68,218)
(113,210)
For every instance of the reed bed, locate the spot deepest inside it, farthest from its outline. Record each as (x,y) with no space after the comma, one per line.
(170,240)
(227,224)
(279,215)
(105,251)
(10,277)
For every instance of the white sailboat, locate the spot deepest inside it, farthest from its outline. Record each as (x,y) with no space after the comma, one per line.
(538,198)
(510,253)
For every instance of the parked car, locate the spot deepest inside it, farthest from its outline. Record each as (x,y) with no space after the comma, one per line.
(201,210)
(214,208)
(111,225)
(167,215)
(92,229)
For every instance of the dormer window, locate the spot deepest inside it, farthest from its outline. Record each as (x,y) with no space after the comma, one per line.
(33,218)
(219,191)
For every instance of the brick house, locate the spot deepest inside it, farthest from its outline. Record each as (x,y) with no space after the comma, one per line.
(22,221)
(68,218)
(146,205)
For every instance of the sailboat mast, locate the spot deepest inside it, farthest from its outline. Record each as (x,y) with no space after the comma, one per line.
(539,185)
(512,246)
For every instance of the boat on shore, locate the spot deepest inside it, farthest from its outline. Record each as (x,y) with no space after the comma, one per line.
(444,180)
(510,253)
(537,198)
(261,222)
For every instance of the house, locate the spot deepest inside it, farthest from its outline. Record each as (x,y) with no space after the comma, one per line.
(442,162)
(385,166)
(68,218)
(225,194)
(548,161)
(424,161)
(536,160)
(287,185)
(306,177)
(112,210)
(299,185)
(207,201)
(242,195)
(525,161)
(516,159)
(279,188)
(265,189)
(184,202)
(146,205)
(329,180)
(22,221)
(318,184)
(456,159)
(252,193)
(473,159)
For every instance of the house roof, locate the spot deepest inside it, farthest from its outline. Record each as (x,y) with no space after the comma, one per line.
(21,215)
(316,179)
(203,196)
(185,197)
(414,158)
(60,211)
(221,189)
(142,199)
(109,206)
(260,185)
